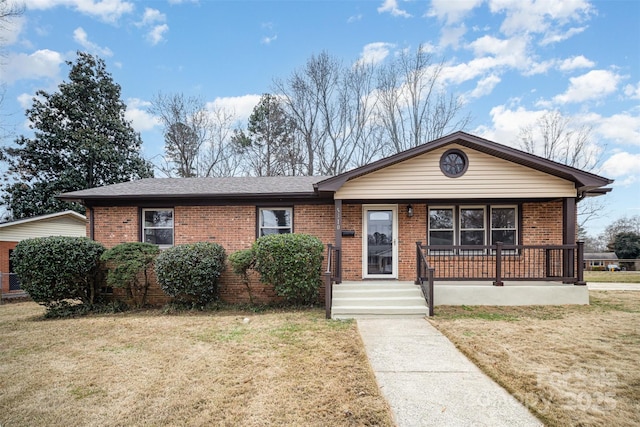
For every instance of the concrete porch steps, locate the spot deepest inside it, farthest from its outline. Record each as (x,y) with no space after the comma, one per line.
(377,299)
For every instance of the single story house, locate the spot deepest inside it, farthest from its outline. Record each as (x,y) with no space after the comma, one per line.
(479,213)
(67,223)
(599,260)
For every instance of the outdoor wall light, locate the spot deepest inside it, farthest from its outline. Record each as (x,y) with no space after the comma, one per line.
(409,211)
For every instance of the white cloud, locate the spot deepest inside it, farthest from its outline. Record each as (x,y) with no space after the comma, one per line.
(574,63)
(527,16)
(80,36)
(507,123)
(374,53)
(632,91)
(10,30)
(106,10)
(593,85)
(485,86)
(240,106)
(622,128)
(40,64)
(452,11)
(138,115)
(556,37)
(152,16)
(391,6)
(450,36)
(25,100)
(622,165)
(156,35)
(354,18)
(269,39)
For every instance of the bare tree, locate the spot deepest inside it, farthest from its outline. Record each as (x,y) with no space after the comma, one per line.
(556,137)
(8,11)
(413,106)
(196,138)
(217,156)
(332,106)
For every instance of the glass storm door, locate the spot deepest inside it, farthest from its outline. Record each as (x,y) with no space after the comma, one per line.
(379,243)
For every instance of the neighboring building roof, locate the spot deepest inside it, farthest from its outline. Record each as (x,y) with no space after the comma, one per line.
(191,188)
(586,183)
(69,213)
(600,256)
(67,223)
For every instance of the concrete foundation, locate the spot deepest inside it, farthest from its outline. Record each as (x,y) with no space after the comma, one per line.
(512,293)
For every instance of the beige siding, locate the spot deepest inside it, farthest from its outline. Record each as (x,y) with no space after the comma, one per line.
(486,177)
(62,226)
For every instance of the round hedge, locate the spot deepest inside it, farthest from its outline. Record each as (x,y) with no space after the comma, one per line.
(292,263)
(54,269)
(190,272)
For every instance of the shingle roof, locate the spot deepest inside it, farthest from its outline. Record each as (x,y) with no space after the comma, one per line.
(201,187)
(600,255)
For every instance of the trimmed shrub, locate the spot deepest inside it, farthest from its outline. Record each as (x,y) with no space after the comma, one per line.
(53,270)
(241,262)
(190,272)
(128,267)
(292,263)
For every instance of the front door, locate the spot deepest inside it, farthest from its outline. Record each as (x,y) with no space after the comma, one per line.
(379,243)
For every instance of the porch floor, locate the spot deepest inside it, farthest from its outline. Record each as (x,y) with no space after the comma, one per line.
(482,292)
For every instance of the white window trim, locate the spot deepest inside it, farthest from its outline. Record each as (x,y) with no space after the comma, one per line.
(275,208)
(173,222)
(491,227)
(453,222)
(458,232)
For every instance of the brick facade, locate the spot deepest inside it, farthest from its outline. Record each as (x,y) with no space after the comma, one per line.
(234,227)
(5,247)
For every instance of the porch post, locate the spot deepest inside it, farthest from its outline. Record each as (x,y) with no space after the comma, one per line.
(337,214)
(569,235)
(498,281)
(580,266)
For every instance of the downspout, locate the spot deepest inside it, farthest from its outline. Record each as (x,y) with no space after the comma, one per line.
(92,230)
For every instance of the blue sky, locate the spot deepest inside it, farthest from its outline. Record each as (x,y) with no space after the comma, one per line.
(511,60)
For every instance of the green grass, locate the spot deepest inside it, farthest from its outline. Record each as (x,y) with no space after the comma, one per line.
(612,276)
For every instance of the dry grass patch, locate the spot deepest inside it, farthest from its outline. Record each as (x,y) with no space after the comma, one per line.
(571,365)
(145,368)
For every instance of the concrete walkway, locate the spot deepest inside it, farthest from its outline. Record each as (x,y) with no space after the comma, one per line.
(595,286)
(428,382)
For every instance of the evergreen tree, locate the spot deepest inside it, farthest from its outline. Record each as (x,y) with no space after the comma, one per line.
(269,147)
(81,140)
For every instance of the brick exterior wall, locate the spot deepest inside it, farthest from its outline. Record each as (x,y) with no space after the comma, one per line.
(5,247)
(234,227)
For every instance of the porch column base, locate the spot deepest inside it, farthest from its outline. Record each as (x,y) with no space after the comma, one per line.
(581,283)
(498,283)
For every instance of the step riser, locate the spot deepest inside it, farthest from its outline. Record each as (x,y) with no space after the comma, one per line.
(409,293)
(369,302)
(377,299)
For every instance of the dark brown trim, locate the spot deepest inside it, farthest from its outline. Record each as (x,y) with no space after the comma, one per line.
(337,212)
(459,153)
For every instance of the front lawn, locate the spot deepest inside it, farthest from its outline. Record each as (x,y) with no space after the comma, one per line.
(612,276)
(572,365)
(147,368)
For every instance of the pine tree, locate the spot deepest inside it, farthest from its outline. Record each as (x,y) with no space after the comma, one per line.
(81,140)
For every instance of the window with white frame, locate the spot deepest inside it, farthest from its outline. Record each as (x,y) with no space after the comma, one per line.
(469,225)
(504,225)
(472,229)
(275,221)
(441,227)
(157,227)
